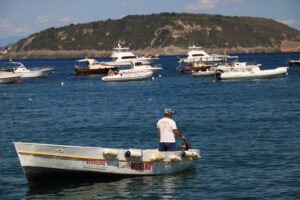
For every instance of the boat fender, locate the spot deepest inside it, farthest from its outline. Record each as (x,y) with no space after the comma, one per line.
(175,158)
(157,157)
(110,152)
(135,153)
(189,154)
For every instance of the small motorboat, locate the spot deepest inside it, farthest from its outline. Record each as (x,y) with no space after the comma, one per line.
(294,62)
(193,67)
(254,73)
(90,66)
(43,163)
(19,69)
(128,75)
(7,78)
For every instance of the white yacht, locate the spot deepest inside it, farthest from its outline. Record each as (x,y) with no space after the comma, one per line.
(18,68)
(122,56)
(196,54)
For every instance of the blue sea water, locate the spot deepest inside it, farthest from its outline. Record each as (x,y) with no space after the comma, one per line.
(248,131)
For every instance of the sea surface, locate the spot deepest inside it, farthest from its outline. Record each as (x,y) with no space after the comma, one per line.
(248,132)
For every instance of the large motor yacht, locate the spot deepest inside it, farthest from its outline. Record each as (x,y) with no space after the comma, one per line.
(197,54)
(122,56)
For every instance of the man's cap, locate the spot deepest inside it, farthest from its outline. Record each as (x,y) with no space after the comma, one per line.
(168,111)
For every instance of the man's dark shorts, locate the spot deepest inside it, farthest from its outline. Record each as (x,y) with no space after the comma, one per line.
(164,146)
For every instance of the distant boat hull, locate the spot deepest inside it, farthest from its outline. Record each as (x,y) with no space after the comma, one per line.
(48,162)
(294,62)
(204,73)
(79,71)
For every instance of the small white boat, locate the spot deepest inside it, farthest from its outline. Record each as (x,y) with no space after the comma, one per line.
(254,73)
(48,162)
(19,69)
(128,75)
(6,78)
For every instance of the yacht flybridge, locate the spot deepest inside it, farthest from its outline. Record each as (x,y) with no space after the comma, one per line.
(122,56)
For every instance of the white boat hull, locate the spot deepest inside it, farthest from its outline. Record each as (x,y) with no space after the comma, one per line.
(8,78)
(270,73)
(204,73)
(46,161)
(35,73)
(130,76)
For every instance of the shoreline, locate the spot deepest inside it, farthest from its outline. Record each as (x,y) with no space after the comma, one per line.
(165,51)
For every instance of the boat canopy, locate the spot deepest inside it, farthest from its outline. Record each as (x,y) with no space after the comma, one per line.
(13,64)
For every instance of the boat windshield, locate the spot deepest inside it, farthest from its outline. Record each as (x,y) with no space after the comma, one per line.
(138,63)
(195,48)
(194,55)
(120,50)
(128,57)
(12,64)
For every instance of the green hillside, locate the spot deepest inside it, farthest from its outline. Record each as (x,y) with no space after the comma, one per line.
(163,30)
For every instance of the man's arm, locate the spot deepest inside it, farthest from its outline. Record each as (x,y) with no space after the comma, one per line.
(176,132)
(158,133)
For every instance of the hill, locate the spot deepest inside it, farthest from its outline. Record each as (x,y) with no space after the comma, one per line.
(158,32)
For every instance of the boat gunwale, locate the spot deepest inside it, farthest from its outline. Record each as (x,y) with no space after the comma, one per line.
(93,158)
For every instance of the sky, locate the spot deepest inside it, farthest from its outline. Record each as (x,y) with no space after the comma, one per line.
(21,18)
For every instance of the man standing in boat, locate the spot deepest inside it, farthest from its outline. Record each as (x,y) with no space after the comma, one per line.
(166,130)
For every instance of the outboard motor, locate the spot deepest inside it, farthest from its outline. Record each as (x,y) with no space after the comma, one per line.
(184,146)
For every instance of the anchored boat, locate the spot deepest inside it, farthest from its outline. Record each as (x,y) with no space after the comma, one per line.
(193,67)
(43,162)
(89,66)
(253,73)
(122,56)
(197,54)
(19,69)
(137,72)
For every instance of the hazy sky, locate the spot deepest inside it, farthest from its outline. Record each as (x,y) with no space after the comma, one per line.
(24,17)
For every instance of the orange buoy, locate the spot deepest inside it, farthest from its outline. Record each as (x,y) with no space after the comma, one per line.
(214,81)
(5,94)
